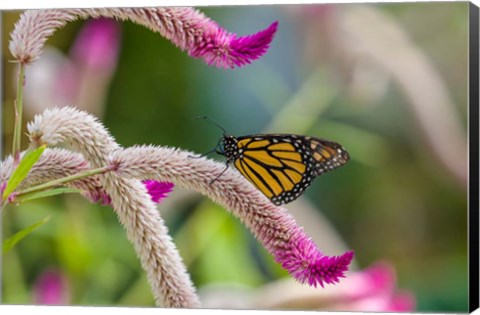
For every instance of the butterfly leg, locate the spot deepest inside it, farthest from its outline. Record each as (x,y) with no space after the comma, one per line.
(212,181)
(202,155)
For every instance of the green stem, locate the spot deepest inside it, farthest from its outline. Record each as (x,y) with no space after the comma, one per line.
(63,180)
(17,132)
(44,193)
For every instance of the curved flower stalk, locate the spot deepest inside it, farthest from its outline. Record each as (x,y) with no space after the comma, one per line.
(186,28)
(55,164)
(272,225)
(136,211)
(59,163)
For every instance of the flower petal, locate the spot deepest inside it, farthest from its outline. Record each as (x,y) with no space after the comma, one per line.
(158,190)
(223,49)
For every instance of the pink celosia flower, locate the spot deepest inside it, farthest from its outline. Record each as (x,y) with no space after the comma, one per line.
(224,49)
(273,226)
(169,280)
(51,289)
(187,28)
(302,259)
(158,190)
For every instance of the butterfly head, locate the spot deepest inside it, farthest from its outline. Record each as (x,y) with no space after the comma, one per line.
(227,146)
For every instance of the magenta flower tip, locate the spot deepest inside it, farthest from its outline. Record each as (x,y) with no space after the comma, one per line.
(308,265)
(223,49)
(251,47)
(158,190)
(329,269)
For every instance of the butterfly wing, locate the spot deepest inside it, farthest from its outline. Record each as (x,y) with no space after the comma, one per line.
(327,155)
(274,164)
(282,166)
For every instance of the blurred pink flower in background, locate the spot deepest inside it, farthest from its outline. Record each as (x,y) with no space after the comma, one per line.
(97,44)
(374,289)
(80,79)
(371,290)
(51,288)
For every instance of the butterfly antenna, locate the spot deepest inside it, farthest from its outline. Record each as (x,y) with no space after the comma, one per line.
(213,122)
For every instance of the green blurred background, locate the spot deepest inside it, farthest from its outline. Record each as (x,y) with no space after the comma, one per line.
(396,201)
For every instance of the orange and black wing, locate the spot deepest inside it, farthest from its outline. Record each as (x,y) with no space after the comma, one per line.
(326,155)
(283,166)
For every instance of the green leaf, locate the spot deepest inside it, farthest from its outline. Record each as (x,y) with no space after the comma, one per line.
(17,237)
(22,170)
(45,193)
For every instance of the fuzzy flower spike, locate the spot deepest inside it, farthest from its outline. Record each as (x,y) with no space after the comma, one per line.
(187,28)
(273,226)
(57,163)
(171,284)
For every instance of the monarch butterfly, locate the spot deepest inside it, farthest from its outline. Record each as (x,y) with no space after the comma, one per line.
(281,166)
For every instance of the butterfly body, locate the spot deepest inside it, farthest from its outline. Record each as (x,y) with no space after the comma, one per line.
(281,166)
